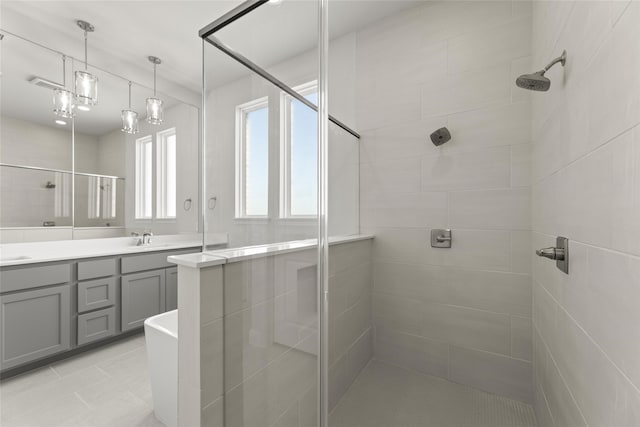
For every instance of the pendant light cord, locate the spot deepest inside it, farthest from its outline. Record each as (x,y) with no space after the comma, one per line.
(85,49)
(154,79)
(129,94)
(64,72)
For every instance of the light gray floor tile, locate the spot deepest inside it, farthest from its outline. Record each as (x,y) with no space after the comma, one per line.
(108,386)
(69,366)
(388,396)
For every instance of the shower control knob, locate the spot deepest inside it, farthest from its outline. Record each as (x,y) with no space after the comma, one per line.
(551,253)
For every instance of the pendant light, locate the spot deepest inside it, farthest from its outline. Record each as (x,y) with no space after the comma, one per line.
(129,118)
(155,111)
(63,104)
(86,83)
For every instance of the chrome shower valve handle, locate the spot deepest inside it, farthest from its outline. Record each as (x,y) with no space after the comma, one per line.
(551,253)
(559,253)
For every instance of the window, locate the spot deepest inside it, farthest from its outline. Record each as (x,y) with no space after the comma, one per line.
(166,174)
(144,177)
(298,151)
(252,159)
(164,150)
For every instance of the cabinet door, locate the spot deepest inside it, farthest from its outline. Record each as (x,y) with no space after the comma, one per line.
(143,295)
(172,288)
(34,324)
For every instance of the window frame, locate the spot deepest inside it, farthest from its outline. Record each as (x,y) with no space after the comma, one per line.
(160,176)
(242,111)
(286,101)
(140,172)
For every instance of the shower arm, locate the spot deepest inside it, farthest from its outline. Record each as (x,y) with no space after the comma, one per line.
(562,59)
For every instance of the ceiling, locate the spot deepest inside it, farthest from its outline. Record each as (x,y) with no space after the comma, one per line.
(129,31)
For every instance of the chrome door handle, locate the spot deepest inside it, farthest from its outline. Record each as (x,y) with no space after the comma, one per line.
(442,238)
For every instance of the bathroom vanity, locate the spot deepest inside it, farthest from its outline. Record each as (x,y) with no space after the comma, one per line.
(57,302)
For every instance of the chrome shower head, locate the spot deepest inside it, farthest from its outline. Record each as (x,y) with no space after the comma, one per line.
(537,81)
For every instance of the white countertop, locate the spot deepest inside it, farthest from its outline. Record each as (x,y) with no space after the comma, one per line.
(61,250)
(225,256)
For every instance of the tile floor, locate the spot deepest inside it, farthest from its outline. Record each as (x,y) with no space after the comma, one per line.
(388,396)
(108,386)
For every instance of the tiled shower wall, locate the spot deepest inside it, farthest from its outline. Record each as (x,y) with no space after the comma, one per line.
(462,313)
(261,312)
(586,186)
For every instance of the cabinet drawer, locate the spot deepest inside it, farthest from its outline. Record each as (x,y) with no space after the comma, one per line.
(32,277)
(35,324)
(96,268)
(152,261)
(96,325)
(94,294)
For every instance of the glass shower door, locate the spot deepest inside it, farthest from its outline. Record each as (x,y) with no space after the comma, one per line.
(261,191)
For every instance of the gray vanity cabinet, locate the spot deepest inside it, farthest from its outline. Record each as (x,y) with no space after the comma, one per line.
(47,309)
(172,288)
(35,324)
(142,295)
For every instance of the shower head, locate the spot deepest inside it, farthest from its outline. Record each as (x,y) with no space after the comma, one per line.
(440,136)
(537,81)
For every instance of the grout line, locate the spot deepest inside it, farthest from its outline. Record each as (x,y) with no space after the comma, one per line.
(55,372)
(593,151)
(589,337)
(548,352)
(592,246)
(75,393)
(103,371)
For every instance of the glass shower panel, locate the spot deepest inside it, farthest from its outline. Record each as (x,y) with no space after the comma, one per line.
(260,186)
(260,142)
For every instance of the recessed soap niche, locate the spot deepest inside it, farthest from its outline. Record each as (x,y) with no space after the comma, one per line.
(296,310)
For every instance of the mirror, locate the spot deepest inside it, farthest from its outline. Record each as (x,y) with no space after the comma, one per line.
(83,177)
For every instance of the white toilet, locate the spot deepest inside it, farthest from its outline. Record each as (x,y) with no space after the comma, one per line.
(161,336)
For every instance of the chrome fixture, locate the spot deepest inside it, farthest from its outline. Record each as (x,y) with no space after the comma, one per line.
(537,81)
(129,118)
(440,136)
(63,102)
(136,238)
(441,238)
(559,253)
(86,83)
(146,237)
(155,111)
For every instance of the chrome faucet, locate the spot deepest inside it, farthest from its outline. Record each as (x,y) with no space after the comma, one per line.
(147,235)
(137,238)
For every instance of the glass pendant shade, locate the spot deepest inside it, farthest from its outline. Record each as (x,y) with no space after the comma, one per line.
(155,111)
(63,104)
(86,88)
(129,121)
